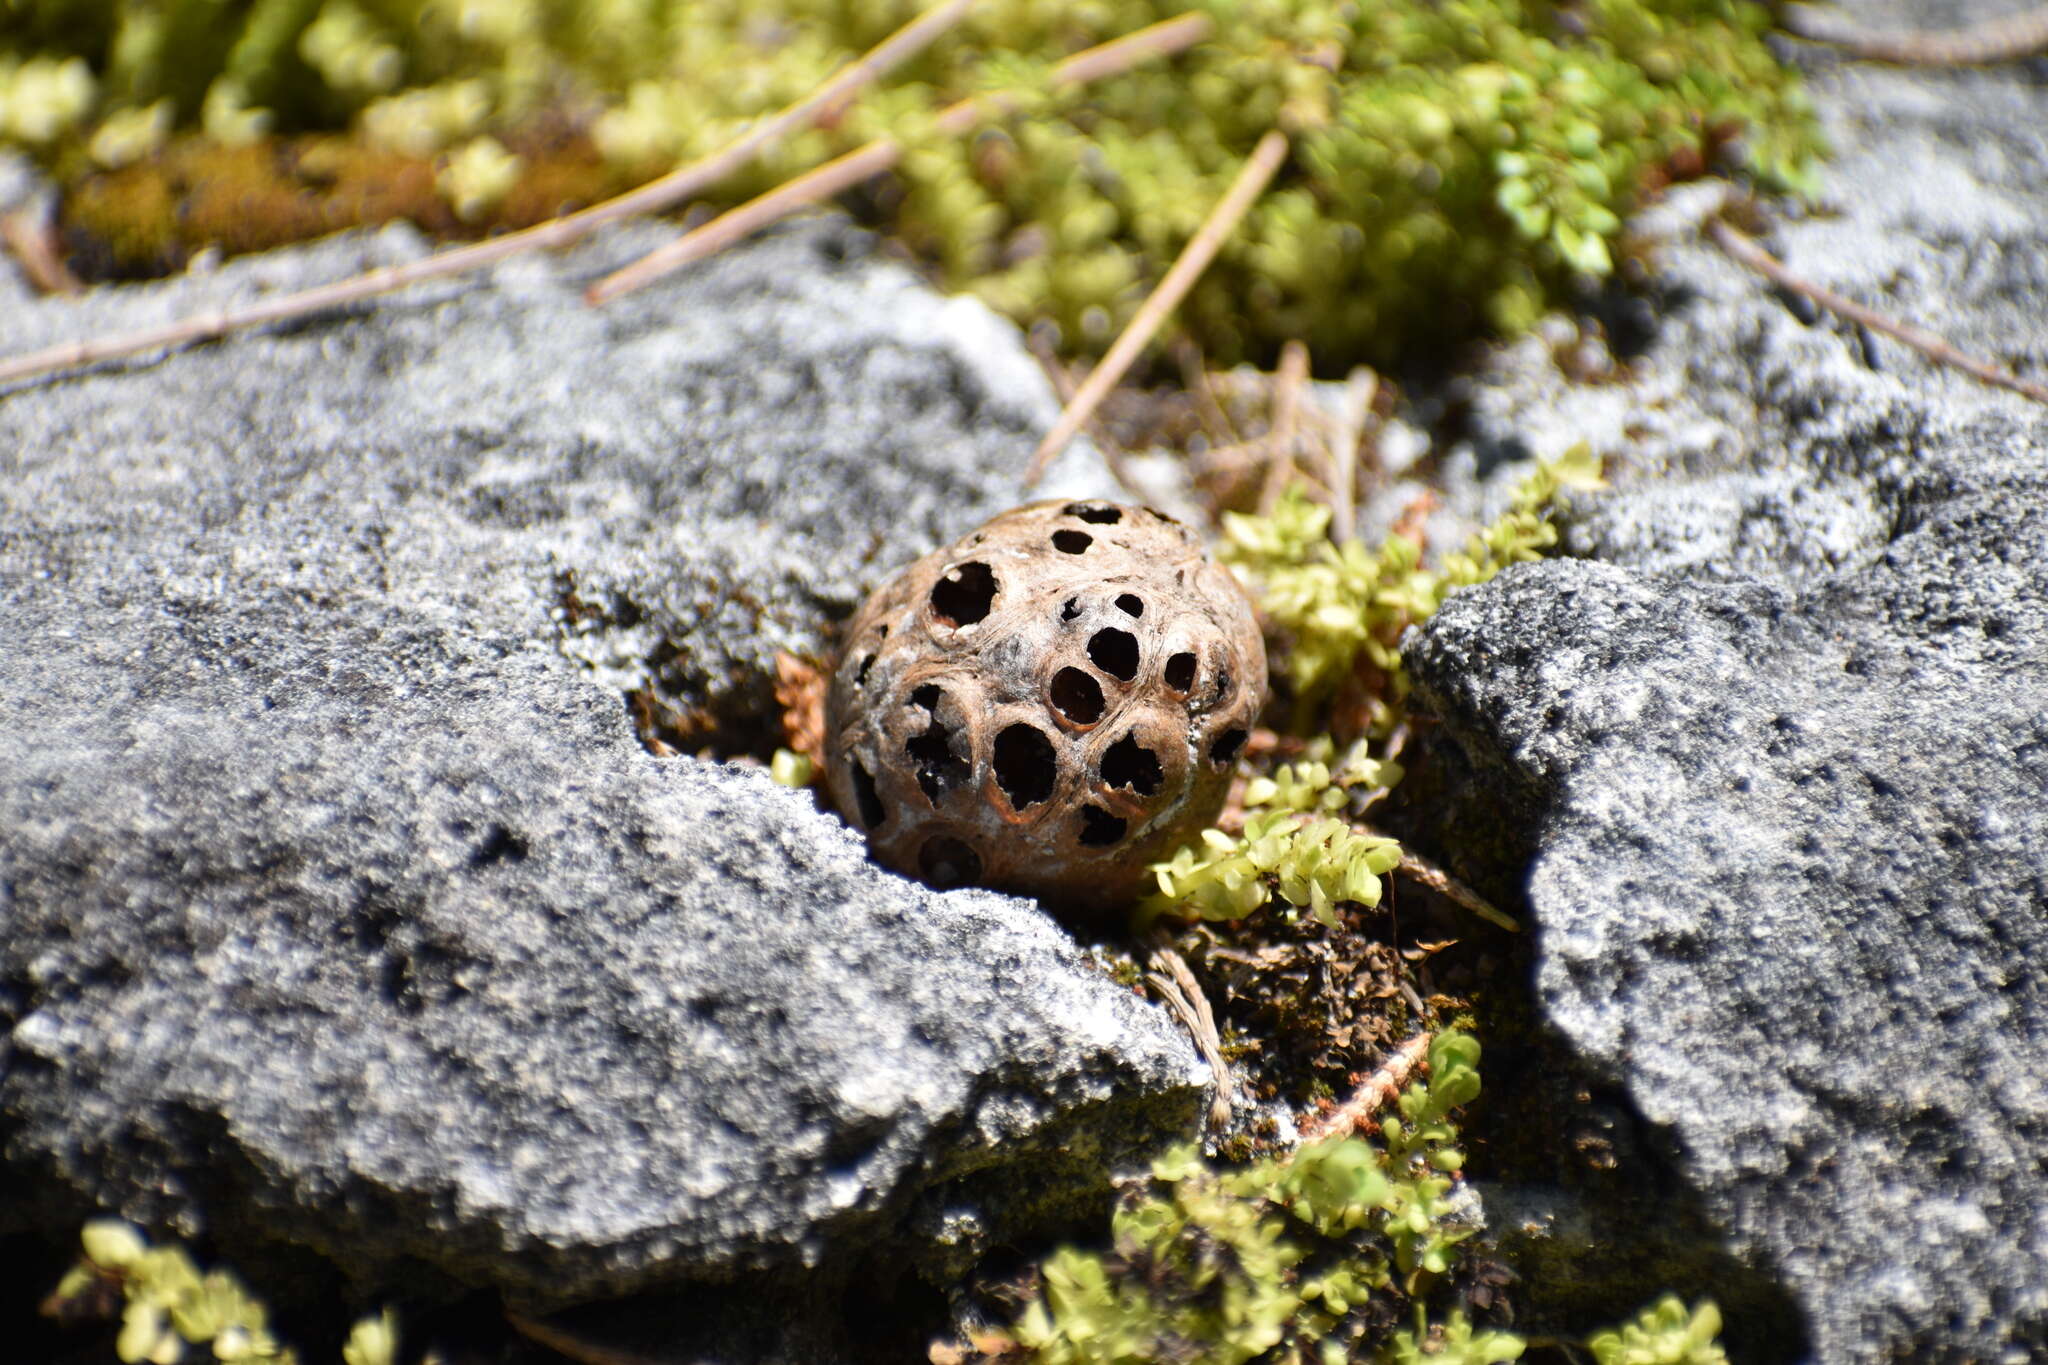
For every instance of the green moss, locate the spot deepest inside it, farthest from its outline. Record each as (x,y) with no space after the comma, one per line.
(1341,610)
(1287,1259)
(1337,1251)
(1454,164)
(169,1305)
(1341,606)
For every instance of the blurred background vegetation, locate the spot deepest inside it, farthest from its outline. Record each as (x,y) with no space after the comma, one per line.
(1455,162)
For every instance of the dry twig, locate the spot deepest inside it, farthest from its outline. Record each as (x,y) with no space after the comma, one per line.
(2003,39)
(27,232)
(871,159)
(564,1342)
(1177,985)
(1379,1089)
(1444,884)
(827,100)
(1361,391)
(1195,379)
(1287,385)
(1187,268)
(1064,387)
(1744,249)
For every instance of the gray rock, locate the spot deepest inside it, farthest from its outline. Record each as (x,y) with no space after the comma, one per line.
(1776,772)
(340,903)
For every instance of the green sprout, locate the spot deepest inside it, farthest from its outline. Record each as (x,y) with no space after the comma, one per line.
(170,1306)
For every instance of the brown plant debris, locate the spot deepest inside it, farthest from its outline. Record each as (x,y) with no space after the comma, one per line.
(1377,1091)
(1743,248)
(1180,277)
(2003,39)
(800,687)
(1308,1012)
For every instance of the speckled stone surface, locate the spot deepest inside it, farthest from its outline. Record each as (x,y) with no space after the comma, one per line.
(1774,773)
(339,902)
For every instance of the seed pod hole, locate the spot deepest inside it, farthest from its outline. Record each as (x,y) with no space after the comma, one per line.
(1095,513)
(1076,696)
(1100,829)
(945,861)
(1026,764)
(1115,652)
(939,769)
(1130,604)
(1071,542)
(1180,672)
(962,597)
(1226,746)
(872,811)
(1070,608)
(1130,764)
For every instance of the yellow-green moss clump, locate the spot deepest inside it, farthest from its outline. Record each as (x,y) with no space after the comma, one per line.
(1342,1250)
(1454,160)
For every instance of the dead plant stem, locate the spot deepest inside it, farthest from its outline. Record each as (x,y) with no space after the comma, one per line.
(1379,1089)
(1287,386)
(1444,884)
(871,159)
(1186,269)
(1744,249)
(2003,39)
(1176,983)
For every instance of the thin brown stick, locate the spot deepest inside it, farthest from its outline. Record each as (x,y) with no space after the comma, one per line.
(1379,1089)
(1193,260)
(2003,39)
(564,1342)
(1444,884)
(1184,994)
(1194,376)
(871,159)
(1744,249)
(663,193)
(1287,385)
(1361,390)
(27,233)
(1064,388)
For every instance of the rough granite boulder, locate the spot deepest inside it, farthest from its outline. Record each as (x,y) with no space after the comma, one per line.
(340,902)
(1776,769)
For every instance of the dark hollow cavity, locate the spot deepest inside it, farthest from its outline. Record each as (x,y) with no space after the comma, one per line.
(1070,608)
(963,596)
(1115,652)
(1130,604)
(1026,765)
(939,769)
(1226,746)
(945,861)
(1100,829)
(1180,672)
(861,674)
(872,811)
(1094,515)
(1128,763)
(1077,696)
(1071,542)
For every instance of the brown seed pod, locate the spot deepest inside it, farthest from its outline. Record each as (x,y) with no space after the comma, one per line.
(1045,705)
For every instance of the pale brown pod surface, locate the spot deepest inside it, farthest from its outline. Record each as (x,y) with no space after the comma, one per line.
(1046,705)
